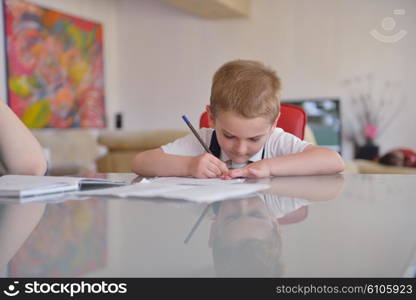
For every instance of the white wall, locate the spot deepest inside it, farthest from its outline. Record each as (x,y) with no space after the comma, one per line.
(159,60)
(167,57)
(102,11)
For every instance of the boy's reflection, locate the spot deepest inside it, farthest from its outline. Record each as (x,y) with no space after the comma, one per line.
(245,234)
(245,239)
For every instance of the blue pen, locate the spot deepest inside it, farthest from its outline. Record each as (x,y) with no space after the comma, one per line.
(195,133)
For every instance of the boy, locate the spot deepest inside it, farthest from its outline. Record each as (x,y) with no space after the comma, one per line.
(20,152)
(244,141)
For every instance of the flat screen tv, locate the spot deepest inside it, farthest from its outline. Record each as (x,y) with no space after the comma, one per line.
(324,119)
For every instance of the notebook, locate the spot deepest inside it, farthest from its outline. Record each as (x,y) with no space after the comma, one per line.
(22,186)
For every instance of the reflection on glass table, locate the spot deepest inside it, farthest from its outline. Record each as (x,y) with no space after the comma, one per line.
(311,226)
(16,224)
(245,234)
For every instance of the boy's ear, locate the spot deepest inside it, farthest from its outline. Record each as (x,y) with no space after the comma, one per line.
(275,122)
(211,119)
(277,119)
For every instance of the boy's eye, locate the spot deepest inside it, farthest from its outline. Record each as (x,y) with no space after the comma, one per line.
(254,139)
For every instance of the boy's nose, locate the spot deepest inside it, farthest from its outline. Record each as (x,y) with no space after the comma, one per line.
(240,148)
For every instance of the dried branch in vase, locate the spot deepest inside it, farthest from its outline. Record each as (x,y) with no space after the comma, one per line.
(372,108)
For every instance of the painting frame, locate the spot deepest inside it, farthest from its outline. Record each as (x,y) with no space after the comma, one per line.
(54,67)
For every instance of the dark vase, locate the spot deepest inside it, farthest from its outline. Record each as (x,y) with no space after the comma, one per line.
(368,151)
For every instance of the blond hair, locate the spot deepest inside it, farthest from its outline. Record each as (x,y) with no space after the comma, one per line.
(251,257)
(246,87)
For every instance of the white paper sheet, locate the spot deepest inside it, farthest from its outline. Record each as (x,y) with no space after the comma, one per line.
(215,193)
(195,181)
(141,189)
(204,193)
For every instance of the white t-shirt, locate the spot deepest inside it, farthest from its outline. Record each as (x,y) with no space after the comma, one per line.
(280,206)
(278,144)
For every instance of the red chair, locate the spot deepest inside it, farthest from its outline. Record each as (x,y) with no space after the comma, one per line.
(295,216)
(292,119)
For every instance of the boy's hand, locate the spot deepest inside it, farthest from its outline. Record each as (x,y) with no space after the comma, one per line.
(208,166)
(256,169)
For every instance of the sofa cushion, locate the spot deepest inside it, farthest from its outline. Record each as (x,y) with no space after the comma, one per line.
(139,140)
(71,151)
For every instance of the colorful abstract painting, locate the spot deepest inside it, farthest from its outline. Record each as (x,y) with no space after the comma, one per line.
(55,67)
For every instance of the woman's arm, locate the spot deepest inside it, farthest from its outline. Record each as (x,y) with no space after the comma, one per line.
(20,152)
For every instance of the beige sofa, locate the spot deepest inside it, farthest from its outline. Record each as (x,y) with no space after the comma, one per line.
(78,152)
(123,145)
(70,151)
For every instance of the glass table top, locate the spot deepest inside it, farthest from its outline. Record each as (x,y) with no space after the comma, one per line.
(309,226)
